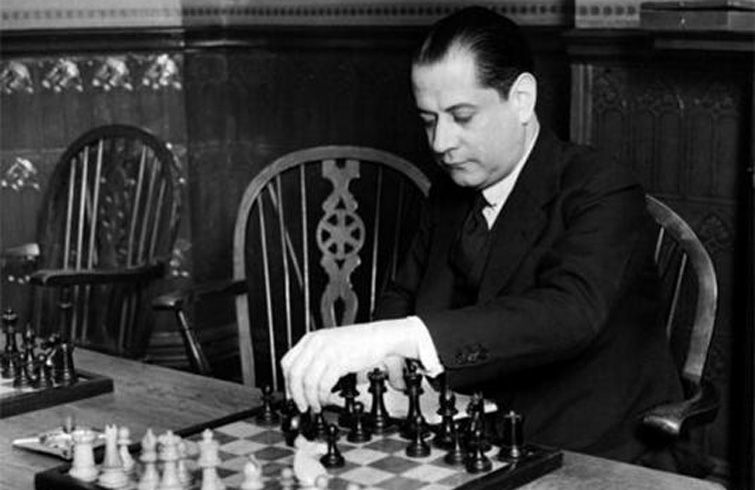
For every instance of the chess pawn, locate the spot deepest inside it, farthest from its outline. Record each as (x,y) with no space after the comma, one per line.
(83,467)
(67,373)
(333,458)
(477,462)
(418,448)
(124,439)
(112,474)
(456,454)
(252,476)
(267,416)
(150,477)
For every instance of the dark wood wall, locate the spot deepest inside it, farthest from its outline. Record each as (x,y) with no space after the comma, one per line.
(678,111)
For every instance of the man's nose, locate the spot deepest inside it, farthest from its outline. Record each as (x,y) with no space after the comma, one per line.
(444,137)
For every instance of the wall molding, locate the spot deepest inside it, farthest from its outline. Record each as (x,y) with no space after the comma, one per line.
(84,14)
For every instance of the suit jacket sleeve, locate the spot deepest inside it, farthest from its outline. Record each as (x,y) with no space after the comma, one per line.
(581,254)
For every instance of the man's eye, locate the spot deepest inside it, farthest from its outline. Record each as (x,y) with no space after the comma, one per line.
(428,123)
(462,118)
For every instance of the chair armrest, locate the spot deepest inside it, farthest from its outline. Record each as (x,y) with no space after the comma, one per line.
(63,277)
(671,419)
(178,299)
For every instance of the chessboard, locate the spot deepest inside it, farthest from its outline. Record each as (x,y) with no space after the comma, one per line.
(15,400)
(38,373)
(380,463)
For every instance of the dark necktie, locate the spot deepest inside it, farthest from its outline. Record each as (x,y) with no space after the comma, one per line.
(470,252)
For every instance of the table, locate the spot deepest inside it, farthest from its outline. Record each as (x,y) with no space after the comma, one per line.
(146,395)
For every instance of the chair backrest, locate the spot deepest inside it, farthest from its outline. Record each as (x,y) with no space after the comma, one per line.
(112,205)
(319,232)
(689,290)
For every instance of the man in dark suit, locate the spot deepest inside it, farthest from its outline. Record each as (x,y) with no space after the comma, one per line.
(531,277)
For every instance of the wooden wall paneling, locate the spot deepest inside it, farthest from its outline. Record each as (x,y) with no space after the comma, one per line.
(681,125)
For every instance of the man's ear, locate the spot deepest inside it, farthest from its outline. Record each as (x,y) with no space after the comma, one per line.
(523,94)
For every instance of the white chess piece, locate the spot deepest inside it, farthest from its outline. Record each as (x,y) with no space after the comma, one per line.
(307,466)
(252,475)
(208,461)
(112,474)
(83,466)
(183,472)
(124,439)
(150,477)
(169,456)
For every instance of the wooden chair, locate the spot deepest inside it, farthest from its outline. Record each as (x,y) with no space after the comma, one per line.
(106,232)
(318,233)
(690,295)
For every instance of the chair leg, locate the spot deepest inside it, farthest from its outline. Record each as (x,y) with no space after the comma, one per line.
(193,347)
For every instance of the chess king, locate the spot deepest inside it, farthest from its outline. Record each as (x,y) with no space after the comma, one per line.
(531,276)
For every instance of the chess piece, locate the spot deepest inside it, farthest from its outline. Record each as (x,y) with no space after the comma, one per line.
(512,446)
(168,454)
(307,465)
(124,439)
(67,375)
(359,432)
(413,380)
(112,474)
(267,415)
(318,427)
(475,421)
(287,479)
(379,419)
(10,318)
(418,448)
(348,391)
(292,424)
(456,454)
(333,458)
(83,467)
(252,475)
(150,477)
(477,461)
(208,461)
(183,472)
(447,409)
(43,374)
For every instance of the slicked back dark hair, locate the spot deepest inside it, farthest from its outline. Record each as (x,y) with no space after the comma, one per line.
(500,49)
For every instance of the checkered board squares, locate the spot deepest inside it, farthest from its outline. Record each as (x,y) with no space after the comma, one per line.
(377,464)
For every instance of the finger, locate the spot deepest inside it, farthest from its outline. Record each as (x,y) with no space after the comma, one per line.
(297,374)
(312,386)
(329,378)
(394,365)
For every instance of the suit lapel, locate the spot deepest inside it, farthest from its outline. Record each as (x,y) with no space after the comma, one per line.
(522,218)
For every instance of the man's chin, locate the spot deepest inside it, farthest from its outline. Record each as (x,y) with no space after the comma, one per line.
(465,179)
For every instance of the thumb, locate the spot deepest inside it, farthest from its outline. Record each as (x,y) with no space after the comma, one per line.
(394,366)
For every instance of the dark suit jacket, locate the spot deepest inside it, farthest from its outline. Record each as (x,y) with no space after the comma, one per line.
(565,329)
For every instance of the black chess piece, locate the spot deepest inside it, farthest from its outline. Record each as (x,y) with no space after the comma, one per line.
(512,444)
(475,422)
(348,391)
(418,448)
(477,461)
(358,433)
(379,419)
(413,380)
(267,415)
(456,454)
(24,375)
(333,458)
(318,427)
(447,409)
(43,373)
(67,375)
(9,319)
